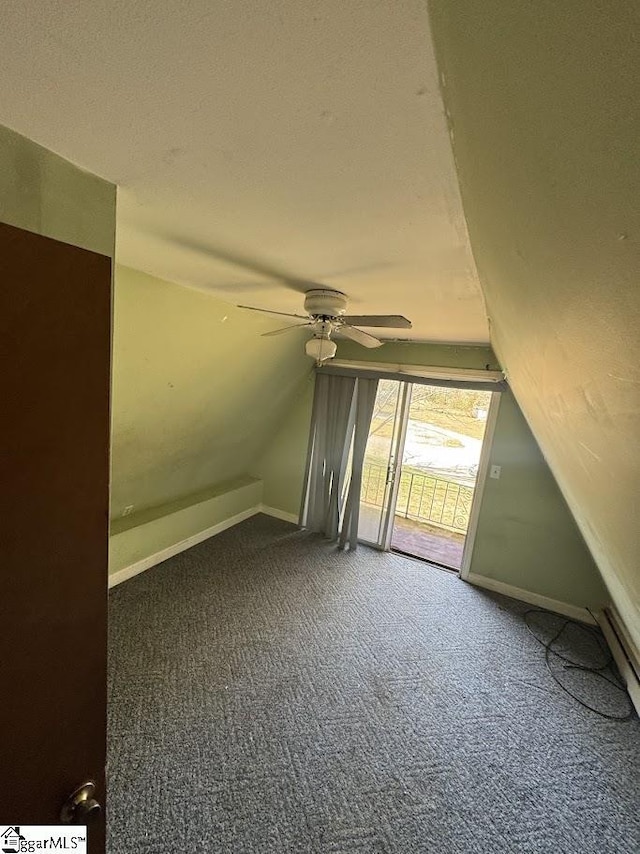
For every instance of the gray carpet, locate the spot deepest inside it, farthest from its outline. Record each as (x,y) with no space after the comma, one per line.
(270,694)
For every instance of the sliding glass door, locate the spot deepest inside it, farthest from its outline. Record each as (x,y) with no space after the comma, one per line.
(421,468)
(377,496)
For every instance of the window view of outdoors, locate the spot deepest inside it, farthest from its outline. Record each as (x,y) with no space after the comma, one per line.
(440,458)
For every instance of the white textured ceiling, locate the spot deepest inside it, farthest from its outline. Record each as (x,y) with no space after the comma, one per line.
(307,137)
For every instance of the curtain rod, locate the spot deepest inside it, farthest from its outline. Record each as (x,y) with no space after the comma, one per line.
(422,373)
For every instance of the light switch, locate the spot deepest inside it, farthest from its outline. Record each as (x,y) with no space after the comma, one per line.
(495,472)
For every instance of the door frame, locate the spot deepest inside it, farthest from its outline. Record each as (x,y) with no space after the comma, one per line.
(391,495)
(478,492)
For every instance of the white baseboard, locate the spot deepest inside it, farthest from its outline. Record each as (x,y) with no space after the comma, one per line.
(279,514)
(572,611)
(621,658)
(152,560)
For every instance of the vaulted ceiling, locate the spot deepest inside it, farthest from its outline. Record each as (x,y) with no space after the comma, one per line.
(249,139)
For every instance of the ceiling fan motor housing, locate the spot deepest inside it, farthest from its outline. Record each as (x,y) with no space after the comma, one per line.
(325,303)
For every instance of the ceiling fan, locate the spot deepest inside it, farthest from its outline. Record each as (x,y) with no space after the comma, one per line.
(325,316)
(325,307)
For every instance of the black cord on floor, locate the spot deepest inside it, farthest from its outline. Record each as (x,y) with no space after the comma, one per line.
(599,669)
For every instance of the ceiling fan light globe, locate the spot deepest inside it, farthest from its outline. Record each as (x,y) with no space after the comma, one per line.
(320,349)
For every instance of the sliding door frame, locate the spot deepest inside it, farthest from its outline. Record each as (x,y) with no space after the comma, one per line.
(481,479)
(398,432)
(395,466)
(392,495)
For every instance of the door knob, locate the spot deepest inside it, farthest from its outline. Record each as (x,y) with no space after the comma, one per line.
(80,807)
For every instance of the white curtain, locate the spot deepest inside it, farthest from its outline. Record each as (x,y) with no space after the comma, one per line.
(340,404)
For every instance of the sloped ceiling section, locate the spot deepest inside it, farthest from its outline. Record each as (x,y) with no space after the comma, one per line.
(197,391)
(304,136)
(544,115)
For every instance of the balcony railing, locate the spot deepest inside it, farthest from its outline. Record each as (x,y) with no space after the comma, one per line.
(421,497)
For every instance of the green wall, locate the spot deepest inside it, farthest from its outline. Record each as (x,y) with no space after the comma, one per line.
(197,392)
(45,194)
(542,100)
(281,466)
(526,536)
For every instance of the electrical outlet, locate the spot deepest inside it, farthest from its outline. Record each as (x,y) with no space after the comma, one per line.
(495,472)
(129,509)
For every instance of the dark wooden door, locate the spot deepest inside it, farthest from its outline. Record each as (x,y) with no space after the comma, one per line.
(55,355)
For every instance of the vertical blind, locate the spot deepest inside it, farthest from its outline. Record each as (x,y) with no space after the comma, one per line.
(340,420)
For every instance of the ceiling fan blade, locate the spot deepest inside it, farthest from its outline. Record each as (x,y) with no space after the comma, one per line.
(358,336)
(285,329)
(390,321)
(281,313)
(239,260)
